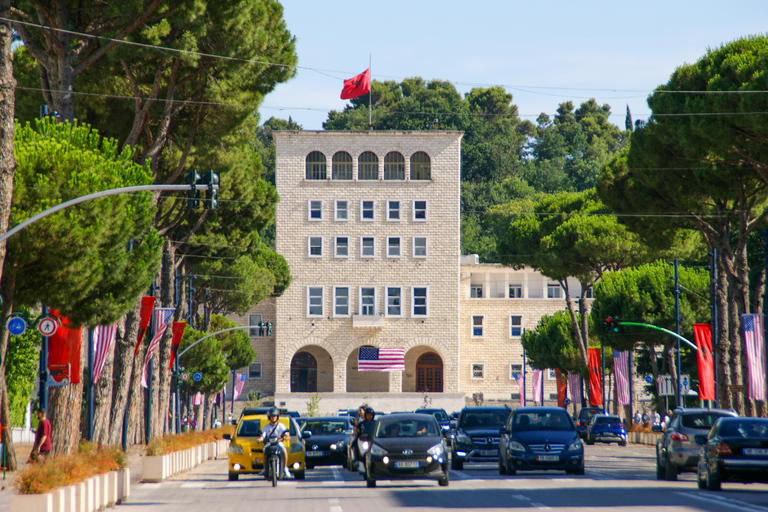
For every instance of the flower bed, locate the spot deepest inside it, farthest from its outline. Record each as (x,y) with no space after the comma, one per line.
(177,442)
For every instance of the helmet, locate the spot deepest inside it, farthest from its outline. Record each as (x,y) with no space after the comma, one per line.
(274,411)
(371,411)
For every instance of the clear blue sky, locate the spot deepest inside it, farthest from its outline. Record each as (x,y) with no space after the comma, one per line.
(543,52)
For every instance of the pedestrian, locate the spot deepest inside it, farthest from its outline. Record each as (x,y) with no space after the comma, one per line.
(42,446)
(638,417)
(656,417)
(646,418)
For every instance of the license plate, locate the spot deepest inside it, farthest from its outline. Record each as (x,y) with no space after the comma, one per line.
(489,453)
(402,464)
(547,458)
(315,454)
(755,451)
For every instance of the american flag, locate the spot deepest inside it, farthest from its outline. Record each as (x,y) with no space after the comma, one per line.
(162,317)
(621,374)
(755,350)
(538,392)
(103,339)
(370,359)
(240,379)
(574,387)
(520,387)
(198,400)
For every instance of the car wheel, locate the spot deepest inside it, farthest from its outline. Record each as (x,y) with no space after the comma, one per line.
(370,482)
(443,482)
(713,484)
(502,467)
(233,477)
(590,441)
(456,463)
(299,475)
(579,470)
(670,472)
(309,466)
(701,481)
(659,467)
(622,443)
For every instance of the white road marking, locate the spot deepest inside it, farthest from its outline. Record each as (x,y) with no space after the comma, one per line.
(521,497)
(724,502)
(541,506)
(334,505)
(336,475)
(459,475)
(193,485)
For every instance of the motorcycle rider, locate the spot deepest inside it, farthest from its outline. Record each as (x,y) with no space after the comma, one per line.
(276,429)
(366,427)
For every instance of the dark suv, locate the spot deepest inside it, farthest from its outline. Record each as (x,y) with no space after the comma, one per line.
(476,438)
(582,420)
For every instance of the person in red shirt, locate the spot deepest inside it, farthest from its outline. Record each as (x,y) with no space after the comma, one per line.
(42,446)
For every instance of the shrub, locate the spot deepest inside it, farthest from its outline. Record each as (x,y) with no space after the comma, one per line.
(177,442)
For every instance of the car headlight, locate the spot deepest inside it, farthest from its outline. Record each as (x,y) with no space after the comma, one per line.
(364,445)
(575,445)
(235,449)
(516,446)
(436,450)
(462,438)
(377,450)
(338,446)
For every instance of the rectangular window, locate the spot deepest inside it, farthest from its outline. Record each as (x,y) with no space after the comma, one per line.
(315,209)
(342,246)
(477,370)
(515,291)
(419,247)
(367,300)
(419,301)
(340,301)
(393,247)
(515,326)
(476,291)
(367,247)
(315,247)
(367,209)
(551,376)
(420,211)
(315,301)
(477,326)
(342,210)
(590,293)
(254,371)
(394,301)
(553,291)
(515,369)
(254,320)
(393,210)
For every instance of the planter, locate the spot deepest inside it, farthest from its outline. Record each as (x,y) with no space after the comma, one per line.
(32,502)
(154,468)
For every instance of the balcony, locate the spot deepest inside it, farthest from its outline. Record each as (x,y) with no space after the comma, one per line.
(368,321)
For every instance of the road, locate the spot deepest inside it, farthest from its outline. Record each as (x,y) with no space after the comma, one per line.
(617,478)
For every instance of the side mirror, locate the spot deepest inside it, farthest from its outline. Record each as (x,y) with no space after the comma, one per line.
(448,434)
(227,437)
(306,434)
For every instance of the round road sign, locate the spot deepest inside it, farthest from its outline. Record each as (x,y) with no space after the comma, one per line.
(567,401)
(197,376)
(648,379)
(185,376)
(16,325)
(47,326)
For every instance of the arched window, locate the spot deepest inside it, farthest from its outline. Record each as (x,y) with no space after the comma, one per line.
(342,166)
(394,166)
(316,166)
(429,373)
(420,166)
(368,166)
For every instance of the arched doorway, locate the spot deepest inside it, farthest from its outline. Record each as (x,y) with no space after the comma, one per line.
(429,373)
(364,382)
(303,373)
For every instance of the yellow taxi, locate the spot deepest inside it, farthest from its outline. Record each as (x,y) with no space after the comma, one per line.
(246,455)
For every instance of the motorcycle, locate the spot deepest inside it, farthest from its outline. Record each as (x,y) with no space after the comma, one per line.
(273,470)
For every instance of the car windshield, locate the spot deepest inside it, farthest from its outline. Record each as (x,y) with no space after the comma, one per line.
(701,420)
(484,419)
(325,428)
(608,419)
(249,428)
(440,416)
(745,429)
(588,413)
(406,428)
(549,420)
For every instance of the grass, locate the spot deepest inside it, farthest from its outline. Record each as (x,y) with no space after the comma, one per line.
(178,442)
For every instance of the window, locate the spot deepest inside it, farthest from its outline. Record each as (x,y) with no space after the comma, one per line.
(393,210)
(419,211)
(553,291)
(367,300)
(394,301)
(340,301)
(419,301)
(342,246)
(368,166)
(254,371)
(515,326)
(419,247)
(477,370)
(254,320)
(342,210)
(393,247)
(342,166)
(315,301)
(515,291)
(315,209)
(477,326)
(590,293)
(394,166)
(367,247)
(551,375)
(476,291)
(515,369)
(420,165)
(315,166)
(315,247)
(366,209)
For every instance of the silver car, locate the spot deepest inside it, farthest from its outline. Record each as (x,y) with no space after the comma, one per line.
(677,449)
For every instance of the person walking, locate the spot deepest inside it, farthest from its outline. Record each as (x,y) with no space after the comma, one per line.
(42,446)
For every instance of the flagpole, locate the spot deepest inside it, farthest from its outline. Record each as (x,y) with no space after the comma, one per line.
(370,93)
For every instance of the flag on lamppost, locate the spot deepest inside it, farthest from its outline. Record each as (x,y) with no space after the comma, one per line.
(520,386)
(162,317)
(240,379)
(595,388)
(145,314)
(703,335)
(755,351)
(538,384)
(574,387)
(103,339)
(621,376)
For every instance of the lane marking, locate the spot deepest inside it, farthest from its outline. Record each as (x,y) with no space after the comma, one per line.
(521,497)
(460,474)
(192,485)
(337,475)
(334,505)
(541,506)
(724,502)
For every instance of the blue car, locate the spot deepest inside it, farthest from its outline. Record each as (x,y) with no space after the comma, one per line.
(606,428)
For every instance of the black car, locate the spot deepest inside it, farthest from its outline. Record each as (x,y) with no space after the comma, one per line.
(440,415)
(736,450)
(476,438)
(540,438)
(582,420)
(406,447)
(331,436)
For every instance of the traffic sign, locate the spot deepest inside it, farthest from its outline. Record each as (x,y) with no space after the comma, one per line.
(47,326)
(185,376)
(16,325)
(665,387)
(567,401)
(648,379)
(197,376)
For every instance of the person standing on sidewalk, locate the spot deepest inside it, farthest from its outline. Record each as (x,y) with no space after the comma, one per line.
(42,446)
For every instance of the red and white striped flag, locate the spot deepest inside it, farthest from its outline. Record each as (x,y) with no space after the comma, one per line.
(162,317)
(755,350)
(520,386)
(574,387)
(198,400)
(103,339)
(370,359)
(240,379)
(621,375)
(538,392)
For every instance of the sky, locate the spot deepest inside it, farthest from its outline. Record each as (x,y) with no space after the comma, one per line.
(542,52)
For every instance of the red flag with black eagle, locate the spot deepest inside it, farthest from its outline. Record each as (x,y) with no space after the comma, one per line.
(703,335)
(595,388)
(357,85)
(562,387)
(64,353)
(177,331)
(147,304)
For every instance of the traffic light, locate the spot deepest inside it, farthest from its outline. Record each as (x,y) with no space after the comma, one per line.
(269,328)
(195,180)
(612,323)
(211,179)
(193,195)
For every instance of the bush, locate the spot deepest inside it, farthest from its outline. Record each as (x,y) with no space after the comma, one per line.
(177,442)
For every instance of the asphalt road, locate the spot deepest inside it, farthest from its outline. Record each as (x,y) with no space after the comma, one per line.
(617,478)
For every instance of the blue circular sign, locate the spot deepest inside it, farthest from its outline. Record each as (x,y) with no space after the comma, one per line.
(17,325)
(567,401)
(197,376)
(648,379)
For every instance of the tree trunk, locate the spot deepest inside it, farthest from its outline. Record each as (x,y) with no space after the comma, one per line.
(65,406)
(137,399)
(723,334)
(7,109)
(123,373)
(209,409)
(7,285)
(163,375)
(734,352)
